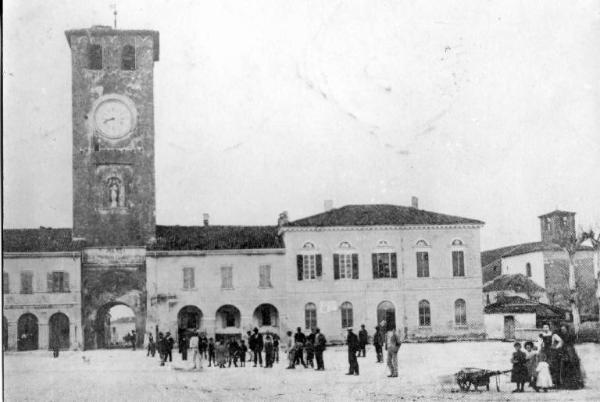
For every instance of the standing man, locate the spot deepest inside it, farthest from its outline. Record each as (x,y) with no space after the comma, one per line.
(378,342)
(289,349)
(258,346)
(363,340)
(133,339)
(320,342)
(170,342)
(393,345)
(183,345)
(55,346)
(299,339)
(353,349)
(195,350)
(250,345)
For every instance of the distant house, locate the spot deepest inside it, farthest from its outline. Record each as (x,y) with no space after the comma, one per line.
(514,317)
(513,285)
(547,264)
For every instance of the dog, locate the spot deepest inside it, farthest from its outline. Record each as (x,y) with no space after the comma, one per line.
(86,359)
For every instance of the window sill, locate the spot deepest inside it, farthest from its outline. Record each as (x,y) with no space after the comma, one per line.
(265,287)
(424,327)
(461,327)
(189,289)
(227,288)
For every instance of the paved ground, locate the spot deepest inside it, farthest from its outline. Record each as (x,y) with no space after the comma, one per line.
(113,375)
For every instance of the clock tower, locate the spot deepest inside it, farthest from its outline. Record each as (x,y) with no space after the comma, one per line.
(113,171)
(113,135)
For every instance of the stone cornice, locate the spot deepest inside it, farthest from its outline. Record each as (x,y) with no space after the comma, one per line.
(379,227)
(206,253)
(43,254)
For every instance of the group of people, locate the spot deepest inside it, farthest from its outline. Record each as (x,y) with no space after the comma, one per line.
(312,346)
(357,347)
(164,345)
(550,362)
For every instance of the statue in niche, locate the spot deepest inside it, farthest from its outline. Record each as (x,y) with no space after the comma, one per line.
(115,196)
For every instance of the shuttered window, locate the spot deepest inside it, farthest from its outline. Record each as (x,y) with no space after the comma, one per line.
(128,58)
(5,283)
(424,314)
(227,277)
(189,278)
(310,316)
(309,266)
(264,276)
(58,282)
(460,312)
(347,315)
(345,266)
(95,57)
(458,263)
(384,265)
(422,264)
(27,282)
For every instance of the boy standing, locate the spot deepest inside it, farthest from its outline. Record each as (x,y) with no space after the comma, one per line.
(519,370)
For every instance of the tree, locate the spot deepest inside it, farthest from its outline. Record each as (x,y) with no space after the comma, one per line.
(594,240)
(570,244)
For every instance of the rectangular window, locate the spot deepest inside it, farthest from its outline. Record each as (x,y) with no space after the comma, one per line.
(384,265)
(95,57)
(264,279)
(27,282)
(345,266)
(227,277)
(458,263)
(5,283)
(422,264)
(188,278)
(310,316)
(309,267)
(58,282)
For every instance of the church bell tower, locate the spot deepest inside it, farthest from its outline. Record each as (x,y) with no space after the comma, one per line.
(113,135)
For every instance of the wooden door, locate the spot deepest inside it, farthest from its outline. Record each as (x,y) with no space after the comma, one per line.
(509,328)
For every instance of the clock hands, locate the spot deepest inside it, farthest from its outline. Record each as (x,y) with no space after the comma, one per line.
(107,120)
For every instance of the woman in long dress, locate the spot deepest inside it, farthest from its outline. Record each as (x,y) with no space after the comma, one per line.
(571,375)
(551,345)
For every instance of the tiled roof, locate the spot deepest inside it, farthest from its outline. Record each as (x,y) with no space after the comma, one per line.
(216,237)
(39,240)
(516,305)
(489,256)
(491,271)
(557,212)
(516,282)
(379,215)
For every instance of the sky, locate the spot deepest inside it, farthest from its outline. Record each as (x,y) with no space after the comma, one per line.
(488,110)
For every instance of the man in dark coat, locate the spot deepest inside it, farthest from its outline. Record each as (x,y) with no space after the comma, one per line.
(170,342)
(133,339)
(183,345)
(378,342)
(320,342)
(353,349)
(363,340)
(299,340)
(162,348)
(257,343)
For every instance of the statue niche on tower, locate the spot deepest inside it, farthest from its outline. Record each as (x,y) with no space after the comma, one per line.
(116,196)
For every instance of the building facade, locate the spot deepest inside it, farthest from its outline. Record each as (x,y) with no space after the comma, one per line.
(360,264)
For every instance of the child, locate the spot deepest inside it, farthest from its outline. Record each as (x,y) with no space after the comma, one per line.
(310,353)
(243,352)
(531,354)
(268,345)
(519,370)
(221,354)
(211,352)
(544,379)
(233,352)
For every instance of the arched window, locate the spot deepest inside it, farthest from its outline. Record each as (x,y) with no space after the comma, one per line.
(310,315)
(528,270)
(460,312)
(457,242)
(422,244)
(424,314)
(95,57)
(347,315)
(128,58)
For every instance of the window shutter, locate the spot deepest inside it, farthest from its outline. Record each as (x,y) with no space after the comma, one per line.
(374,261)
(299,266)
(336,266)
(66,282)
(319,265)
(354,266)
(394,271)
(50,282)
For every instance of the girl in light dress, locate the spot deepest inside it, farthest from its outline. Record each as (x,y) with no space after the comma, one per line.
(544,379)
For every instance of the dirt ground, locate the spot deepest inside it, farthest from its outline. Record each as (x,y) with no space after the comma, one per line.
(124,375)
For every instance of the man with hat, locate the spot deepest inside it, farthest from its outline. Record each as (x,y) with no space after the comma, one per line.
(170,342)
(353,348)
(320,343)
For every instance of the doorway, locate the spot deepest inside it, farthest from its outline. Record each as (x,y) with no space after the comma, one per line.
(59,331)
(387,312)
(115,325)
(27,332)
(509,328)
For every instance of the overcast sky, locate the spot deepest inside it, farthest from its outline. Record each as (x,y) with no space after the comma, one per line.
(488,110)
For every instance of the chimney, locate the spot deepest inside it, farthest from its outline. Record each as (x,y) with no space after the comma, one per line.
(205,218)
(415,202)
(283,219)
(328,205)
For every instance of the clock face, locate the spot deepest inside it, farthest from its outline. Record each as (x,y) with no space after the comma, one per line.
(114,117)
